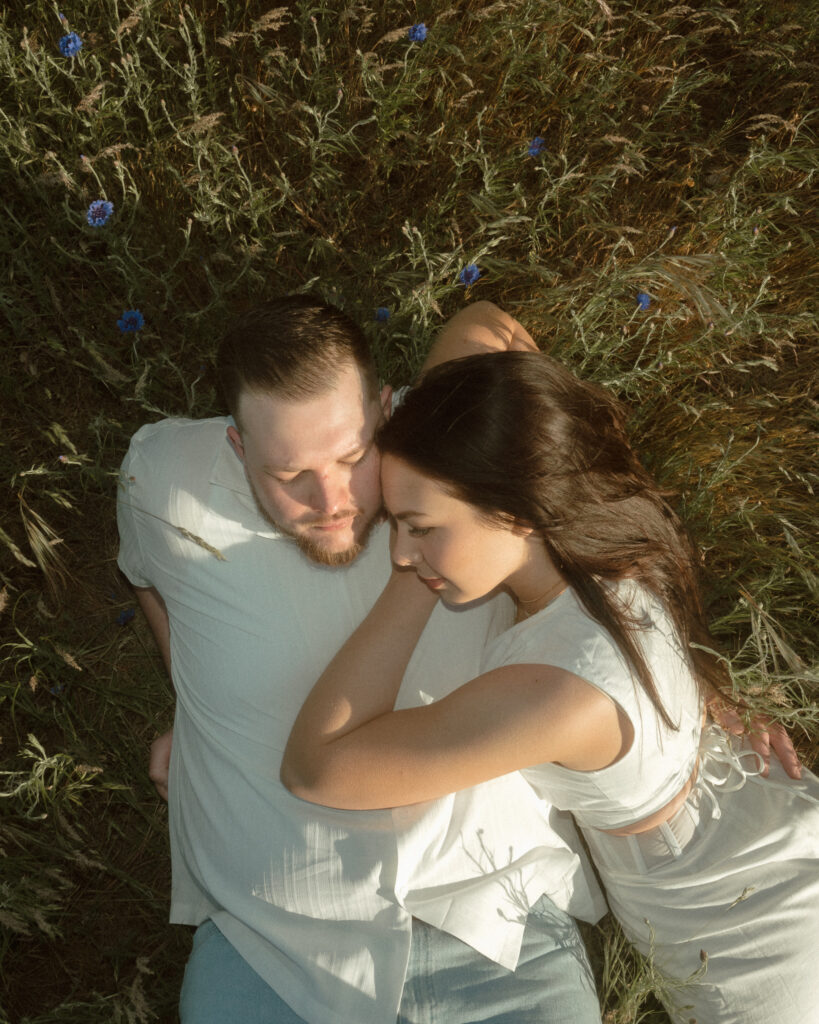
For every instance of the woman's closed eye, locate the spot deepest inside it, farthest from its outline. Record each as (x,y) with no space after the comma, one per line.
(418,531)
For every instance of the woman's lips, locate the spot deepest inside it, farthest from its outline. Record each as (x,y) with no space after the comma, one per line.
(433,582)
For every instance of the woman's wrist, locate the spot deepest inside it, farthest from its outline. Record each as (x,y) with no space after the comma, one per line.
(406,583)
(406,601)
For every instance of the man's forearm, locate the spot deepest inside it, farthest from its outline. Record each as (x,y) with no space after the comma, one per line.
(153,607)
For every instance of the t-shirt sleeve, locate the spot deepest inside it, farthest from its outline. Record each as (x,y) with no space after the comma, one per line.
(132,514)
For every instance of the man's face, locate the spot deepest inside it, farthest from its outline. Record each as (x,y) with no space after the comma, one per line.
(312,465)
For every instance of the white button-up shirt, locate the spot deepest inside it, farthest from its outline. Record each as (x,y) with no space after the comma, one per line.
(318,901)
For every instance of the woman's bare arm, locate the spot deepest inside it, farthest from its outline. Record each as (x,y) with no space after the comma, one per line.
(481,327)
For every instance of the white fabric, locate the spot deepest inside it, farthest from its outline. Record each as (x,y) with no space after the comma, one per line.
(311,897)
(660,760)
(734,873)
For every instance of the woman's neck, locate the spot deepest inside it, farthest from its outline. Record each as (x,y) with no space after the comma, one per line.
(536,584)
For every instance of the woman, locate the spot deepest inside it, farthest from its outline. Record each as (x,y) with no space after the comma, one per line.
(506,472)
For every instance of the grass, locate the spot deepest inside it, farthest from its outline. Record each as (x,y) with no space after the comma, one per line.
(250,152)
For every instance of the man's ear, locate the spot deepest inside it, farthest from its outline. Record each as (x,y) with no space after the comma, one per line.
(386,401)
(236,444)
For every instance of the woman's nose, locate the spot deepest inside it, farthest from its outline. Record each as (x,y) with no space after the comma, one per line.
(403,552)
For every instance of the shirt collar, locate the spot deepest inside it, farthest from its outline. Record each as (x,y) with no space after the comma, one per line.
(228,470)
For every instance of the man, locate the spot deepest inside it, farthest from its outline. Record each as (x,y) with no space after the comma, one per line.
(256,547)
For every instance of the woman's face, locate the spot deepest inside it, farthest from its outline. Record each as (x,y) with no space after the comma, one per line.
(455,551)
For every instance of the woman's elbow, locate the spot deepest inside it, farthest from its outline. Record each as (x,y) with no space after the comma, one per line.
(295,776)
(305,779)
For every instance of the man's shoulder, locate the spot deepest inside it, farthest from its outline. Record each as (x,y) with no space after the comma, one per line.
(173,456)
(175,431)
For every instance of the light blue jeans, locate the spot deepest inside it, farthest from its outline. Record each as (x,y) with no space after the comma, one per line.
(447,981)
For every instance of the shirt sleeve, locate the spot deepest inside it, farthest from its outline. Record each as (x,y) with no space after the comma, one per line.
(131,515)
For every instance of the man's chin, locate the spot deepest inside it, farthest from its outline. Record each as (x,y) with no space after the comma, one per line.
(321,554)
(332,551)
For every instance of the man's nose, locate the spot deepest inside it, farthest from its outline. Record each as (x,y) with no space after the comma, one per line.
(330,493)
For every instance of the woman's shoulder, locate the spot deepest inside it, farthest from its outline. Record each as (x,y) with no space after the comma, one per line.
(562,634)
(566,635)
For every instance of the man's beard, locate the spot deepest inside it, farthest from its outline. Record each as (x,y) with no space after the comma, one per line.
(316,553)
(311,548)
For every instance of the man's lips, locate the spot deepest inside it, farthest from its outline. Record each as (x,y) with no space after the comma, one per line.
(331,525)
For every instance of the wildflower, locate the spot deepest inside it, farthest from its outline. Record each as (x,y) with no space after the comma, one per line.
(469,275)
(418,33)
(70,45)
(536,146)
(99,213)
(643,301)
(125,616)
(382,314)
(131,320)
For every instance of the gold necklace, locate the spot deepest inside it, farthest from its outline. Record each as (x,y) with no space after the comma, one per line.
(547,597)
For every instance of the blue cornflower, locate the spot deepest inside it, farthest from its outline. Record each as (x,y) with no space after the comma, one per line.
(131,320)
(536,146)
(70,45)
(418,33)
(469,275)
(99,213)
(382,314)
(125,616)
(643,301)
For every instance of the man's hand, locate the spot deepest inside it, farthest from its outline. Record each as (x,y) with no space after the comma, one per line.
(159,765)
(763,735)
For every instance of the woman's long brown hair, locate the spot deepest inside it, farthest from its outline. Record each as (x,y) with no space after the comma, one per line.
(521,439)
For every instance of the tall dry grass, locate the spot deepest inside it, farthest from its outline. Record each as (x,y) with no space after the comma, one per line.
(251,151)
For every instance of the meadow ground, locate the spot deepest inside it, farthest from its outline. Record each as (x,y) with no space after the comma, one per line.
(579,153)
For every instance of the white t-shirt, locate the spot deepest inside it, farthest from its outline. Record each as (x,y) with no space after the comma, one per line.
(660,760)
(318,901)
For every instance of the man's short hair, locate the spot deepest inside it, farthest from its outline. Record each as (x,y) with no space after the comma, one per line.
(296,346)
